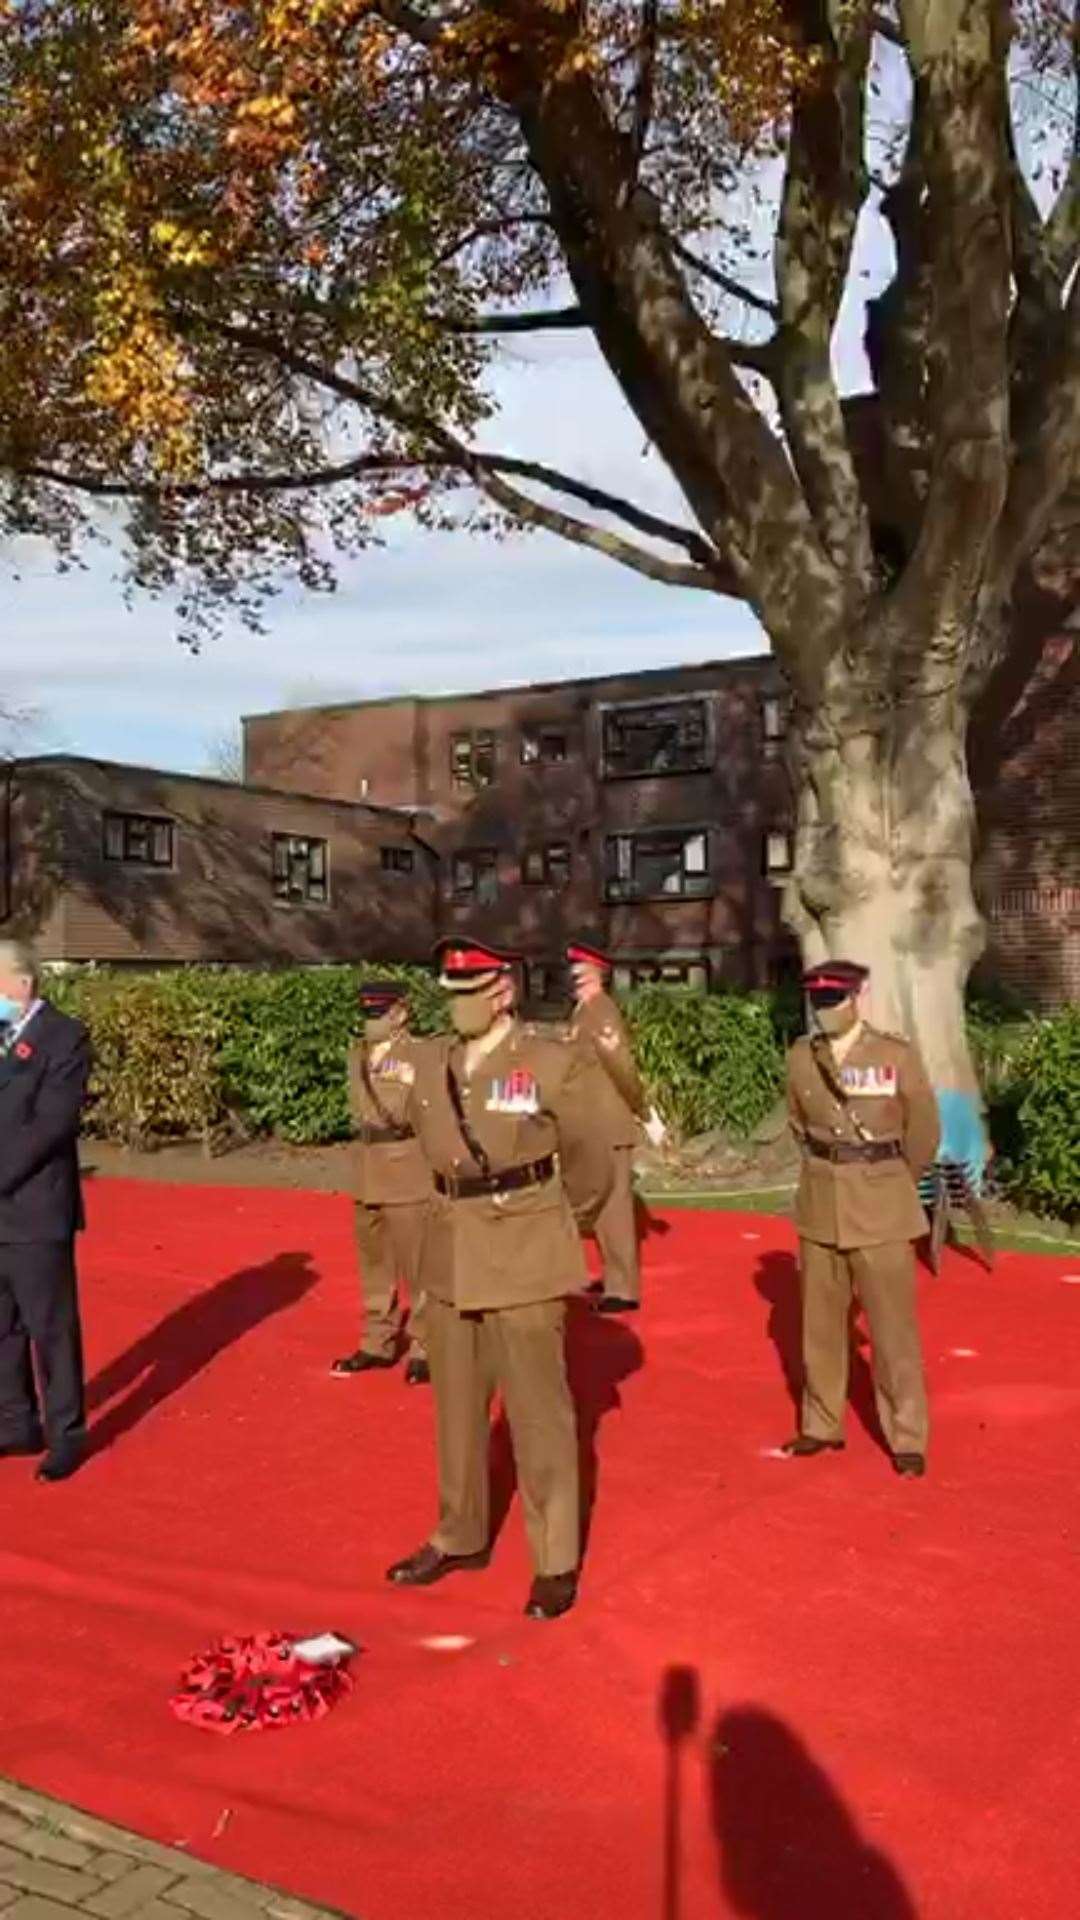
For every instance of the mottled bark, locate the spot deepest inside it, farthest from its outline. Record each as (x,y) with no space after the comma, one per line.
(883,856)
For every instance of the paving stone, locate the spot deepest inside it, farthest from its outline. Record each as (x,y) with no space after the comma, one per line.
(32,1907)
(113,1866)
(99,1833)
(42,1840)
(218,1899)
(125,1896)
(41,1876)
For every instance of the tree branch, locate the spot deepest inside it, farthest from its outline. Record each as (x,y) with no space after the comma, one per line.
(672,573)
(824,188)
(409,20)
(548,320)
(898,333)
(723,280)
(646,85)
(959,55)
(443,449)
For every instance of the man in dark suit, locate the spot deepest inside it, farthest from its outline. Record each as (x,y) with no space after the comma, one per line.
(44,1064)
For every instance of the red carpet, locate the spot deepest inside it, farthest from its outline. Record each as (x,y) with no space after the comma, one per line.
(792,1690)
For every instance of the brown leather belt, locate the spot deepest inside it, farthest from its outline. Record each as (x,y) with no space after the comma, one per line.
(470,1186)
(381,1136)
(844,1153)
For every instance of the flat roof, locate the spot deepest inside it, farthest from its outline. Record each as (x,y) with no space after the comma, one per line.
(738,663)
(215,780)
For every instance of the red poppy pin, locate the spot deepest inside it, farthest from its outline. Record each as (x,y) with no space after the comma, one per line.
(23,1050)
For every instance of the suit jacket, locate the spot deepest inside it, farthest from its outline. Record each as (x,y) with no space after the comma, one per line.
(530,1097)
(599,1029)
(42,1089)
(388,1172)
(863,1204)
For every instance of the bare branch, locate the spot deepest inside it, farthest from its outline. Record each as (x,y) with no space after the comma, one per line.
(549,320)
(1046,461)
(723,280)
(673,573)
(959,54)
(1063,226)
(646,85)
(824,187)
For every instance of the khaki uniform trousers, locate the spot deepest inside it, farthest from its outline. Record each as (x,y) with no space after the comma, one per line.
(521,1352)
(616,1230)
(388,1243)
(883,1279)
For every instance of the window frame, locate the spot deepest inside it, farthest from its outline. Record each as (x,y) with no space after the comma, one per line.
(485,862)
(550,854)
(620,849)
(291,842)
(467,744)
(150,824)
(540,736)
(610,711)
(395,859)
(777,869)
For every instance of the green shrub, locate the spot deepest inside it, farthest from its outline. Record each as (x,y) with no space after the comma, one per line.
(157,1057)
(1045,1175)
(710,1060)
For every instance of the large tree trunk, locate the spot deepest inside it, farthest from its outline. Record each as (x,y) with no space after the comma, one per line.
(883,856)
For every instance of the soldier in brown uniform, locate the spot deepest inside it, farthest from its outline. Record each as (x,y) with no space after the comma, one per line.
(393,1184)
(866,1118)
(599,1027)
(505,1119)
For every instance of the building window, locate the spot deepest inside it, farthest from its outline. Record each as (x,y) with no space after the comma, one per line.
(658,864)
(773,718)
(670,736)
(547,866)
(301,870)
(778,850)
(542,746)
(474,875)
(472,760)
(139,841)
(397,859)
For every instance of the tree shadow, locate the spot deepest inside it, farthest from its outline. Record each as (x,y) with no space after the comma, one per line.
(777,1281)
(600,1354)
(788,1844)
(164,1360)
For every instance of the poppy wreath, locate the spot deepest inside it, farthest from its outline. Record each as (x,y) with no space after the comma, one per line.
(241,1685)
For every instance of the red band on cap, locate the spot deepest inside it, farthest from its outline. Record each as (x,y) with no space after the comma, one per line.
(471,960)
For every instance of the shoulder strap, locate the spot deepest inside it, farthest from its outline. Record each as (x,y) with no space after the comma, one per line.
(472,1143)
(382,1110)
(822,1055)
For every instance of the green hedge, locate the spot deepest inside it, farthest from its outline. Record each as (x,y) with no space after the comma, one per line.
(189,1052)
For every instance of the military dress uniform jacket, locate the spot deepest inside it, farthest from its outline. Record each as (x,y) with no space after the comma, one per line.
(599,1029)
(389,1172)
(529,1099)
(862,1202)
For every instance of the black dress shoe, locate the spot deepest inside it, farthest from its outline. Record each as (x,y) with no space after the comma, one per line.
(550,1595)
(429,1564)
(418,1373)
(614,1303)
(804,1446)
(60,1466)
(595,1286)
(911,1465)
(361,1362)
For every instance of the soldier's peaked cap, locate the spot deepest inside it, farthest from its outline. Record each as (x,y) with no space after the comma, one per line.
(834,980)
(376,995)
(465,964)
(582,953)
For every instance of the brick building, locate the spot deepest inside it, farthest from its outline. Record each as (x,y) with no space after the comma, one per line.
(121,864)
(649,809)
(653,810)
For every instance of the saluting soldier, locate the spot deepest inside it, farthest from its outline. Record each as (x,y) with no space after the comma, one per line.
(505,1119)
(865,1115)
(599,1028)
(393,1184)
